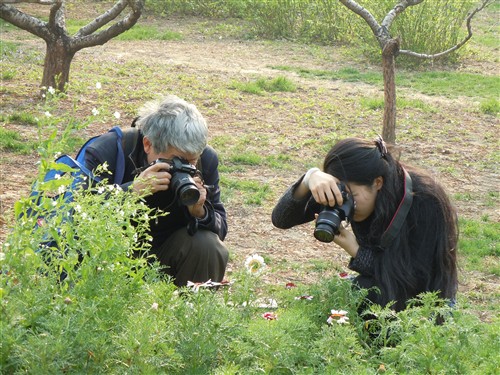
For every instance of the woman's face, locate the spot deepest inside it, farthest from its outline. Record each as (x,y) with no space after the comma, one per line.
(364,198)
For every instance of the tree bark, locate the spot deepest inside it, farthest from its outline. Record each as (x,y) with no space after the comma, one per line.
(57,64)
(389,54)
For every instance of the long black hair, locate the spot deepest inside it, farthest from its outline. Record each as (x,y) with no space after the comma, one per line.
(419,259)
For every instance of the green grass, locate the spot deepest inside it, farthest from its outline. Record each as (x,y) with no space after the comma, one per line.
(438,83)
(13,142)
(252,192)
(490,106)
(137,32)
(262,85)
(480,245)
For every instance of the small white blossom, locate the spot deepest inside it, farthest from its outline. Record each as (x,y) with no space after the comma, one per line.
(61,189)
(78,208)
(57,176)
(117,115)
(47,114)
(255,264)
(84,215)
(51,90)
(98,85)
(154,306)
(105,166)
(338,316)
(54,203)
(95,111)
(100,189)
(57,154)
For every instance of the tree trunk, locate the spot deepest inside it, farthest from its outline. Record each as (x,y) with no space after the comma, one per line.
(57,63)
(389,53)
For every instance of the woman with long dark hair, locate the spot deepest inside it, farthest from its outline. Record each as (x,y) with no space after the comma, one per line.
(404,228)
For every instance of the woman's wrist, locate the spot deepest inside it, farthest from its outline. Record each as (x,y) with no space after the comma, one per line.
(307,176)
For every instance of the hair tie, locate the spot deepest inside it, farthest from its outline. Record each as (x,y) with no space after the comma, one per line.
(381,146)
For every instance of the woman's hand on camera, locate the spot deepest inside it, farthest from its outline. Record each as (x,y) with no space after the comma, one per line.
(347,241)
(324,189)
(153,179)
(198,209)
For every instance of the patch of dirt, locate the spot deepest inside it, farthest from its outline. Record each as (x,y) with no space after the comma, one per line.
(251,230)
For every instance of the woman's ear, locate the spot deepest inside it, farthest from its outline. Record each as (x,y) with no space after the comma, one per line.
(379,182)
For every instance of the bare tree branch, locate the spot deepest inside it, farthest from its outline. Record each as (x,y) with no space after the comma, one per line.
(56,17)
(102,20)
(394,12)
(363,13)
(471,15)
(105,35)
(43,2)
(24,21)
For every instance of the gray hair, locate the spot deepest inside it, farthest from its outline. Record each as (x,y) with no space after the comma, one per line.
(173,122)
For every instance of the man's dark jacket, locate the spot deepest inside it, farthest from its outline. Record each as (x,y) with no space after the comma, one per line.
(104,149)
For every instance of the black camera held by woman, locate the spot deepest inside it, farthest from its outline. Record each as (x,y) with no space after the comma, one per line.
(182,183)
(329,219)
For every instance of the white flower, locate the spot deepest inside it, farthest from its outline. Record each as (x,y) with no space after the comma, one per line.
(61,189)
(78,208)
(51,90)
(100,189)
(57,154)
(98,85)
(57,176)
(117,115)
(338,316)
(47,114)
(255,264)
(95,111)
(154,306)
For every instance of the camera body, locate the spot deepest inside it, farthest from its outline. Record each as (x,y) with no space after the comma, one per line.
(329,219)
(182,183)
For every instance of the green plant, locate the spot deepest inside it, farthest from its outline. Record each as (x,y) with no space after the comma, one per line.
(261,85)
(490,106)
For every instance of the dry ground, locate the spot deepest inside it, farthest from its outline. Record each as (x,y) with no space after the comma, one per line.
(250,228)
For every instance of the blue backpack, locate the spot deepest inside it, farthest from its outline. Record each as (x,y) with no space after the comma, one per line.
(79,175)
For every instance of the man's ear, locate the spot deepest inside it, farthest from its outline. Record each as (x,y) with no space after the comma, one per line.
(379,182)
(147,145)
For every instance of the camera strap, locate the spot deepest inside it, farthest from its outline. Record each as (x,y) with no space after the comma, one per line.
(400,216)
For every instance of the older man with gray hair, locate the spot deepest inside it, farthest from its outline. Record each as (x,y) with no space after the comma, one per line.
(172,141)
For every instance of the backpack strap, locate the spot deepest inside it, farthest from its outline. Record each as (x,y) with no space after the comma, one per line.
(400,216)
(120,156)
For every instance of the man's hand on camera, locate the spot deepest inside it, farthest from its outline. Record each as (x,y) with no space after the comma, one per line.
(153,179)
(198,209)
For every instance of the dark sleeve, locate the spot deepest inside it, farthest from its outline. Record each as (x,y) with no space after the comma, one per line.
(290,211)
(363,262)
(216,218)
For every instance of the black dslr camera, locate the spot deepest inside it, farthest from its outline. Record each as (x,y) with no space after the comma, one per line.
(329,219)
(182,183)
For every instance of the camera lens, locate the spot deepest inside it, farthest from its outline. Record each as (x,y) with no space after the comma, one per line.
(185,188)
(327,225)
